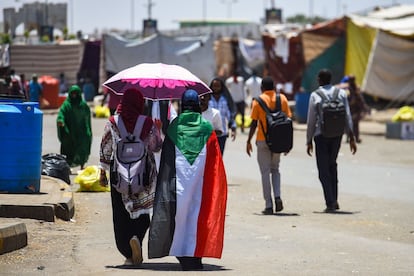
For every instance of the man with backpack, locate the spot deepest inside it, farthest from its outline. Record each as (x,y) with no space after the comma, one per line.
(267,159)
(329,118)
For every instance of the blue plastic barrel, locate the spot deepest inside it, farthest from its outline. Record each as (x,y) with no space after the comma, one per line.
(20,147)
(301,107)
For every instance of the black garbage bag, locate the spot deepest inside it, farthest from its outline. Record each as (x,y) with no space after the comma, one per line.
(55,165)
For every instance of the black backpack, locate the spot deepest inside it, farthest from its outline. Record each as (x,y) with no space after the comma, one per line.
(279,134)
(332,114)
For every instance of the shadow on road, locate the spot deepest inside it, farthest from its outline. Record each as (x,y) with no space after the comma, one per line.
(337,212)
(286,214)
(279,214)
(166,267)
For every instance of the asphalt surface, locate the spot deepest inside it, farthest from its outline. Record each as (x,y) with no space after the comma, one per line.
(373,234)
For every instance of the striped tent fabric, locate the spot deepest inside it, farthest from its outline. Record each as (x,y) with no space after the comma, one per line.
(47,59)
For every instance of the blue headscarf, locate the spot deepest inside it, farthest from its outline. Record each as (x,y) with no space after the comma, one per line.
(190,101)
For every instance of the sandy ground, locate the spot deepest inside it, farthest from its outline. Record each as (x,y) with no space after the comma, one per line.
(372,235)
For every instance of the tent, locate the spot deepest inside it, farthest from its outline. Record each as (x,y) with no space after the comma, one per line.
(284,57)
(323,47)
(390,65)
(194,53)
(47,59)
(390,73)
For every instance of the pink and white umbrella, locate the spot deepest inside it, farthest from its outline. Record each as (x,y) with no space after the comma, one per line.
(156,81)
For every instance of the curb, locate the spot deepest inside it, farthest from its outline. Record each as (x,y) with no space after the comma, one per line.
(65,209)
(54,201)
(40,212)
(13,236)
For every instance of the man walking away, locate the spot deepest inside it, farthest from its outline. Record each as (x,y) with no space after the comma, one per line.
(327,147)
(268,161)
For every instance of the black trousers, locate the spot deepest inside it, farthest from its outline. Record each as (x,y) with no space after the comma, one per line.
(222,142)
(125,227)
(190,263)
(241,107)
(326,150)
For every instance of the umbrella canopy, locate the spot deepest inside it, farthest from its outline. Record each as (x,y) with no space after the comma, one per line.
(156,81)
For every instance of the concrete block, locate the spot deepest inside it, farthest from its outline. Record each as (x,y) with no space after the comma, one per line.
(393,130)
(40,212)
(407,130)
(13,236)
(400,130)
(65,208)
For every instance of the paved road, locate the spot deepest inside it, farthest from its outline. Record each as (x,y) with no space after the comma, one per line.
(374,234)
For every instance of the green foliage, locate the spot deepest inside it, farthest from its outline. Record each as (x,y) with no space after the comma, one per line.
(65,33)
(45,38)
(5,38)
(303,19)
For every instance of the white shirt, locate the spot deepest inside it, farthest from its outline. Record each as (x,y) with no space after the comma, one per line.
(236,89)
(252,86)
(213,116)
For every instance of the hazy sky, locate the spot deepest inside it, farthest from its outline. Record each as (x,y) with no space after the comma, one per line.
(88,15)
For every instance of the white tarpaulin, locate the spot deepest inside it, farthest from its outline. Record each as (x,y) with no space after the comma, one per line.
(252,51)
(193,53)
(390,70)
(398,20)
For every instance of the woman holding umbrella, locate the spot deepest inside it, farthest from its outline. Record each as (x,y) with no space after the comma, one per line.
(130,211)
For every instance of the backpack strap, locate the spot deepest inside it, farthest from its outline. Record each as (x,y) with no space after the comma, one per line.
(325,98)
(278,103)
(335,94)
(266,108)
(322,95)
(262,104)
(137,129)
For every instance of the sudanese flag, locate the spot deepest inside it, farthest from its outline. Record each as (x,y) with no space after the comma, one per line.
(191,193)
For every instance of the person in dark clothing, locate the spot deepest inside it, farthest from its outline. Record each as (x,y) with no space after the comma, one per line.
(130,213)
(357,105)
(327,148)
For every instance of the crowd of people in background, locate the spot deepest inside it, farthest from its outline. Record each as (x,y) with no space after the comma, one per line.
(205,123)
(17,86)
(14,86)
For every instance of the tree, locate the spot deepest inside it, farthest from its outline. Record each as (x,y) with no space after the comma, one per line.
(303,19)
(45,38)
(26,35)
(5,38)
(65,33)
